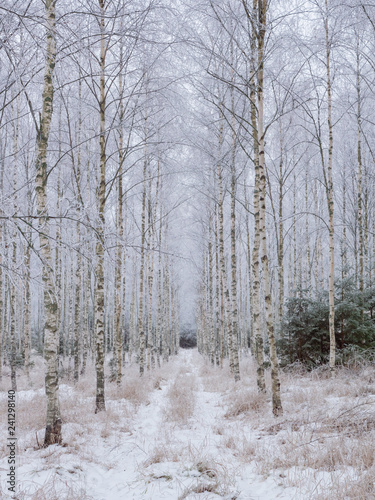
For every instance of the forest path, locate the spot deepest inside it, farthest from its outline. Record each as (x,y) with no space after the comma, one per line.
(187,439)
(174,442)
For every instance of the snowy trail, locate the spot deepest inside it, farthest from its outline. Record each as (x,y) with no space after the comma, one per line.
(150,455)
(205,467)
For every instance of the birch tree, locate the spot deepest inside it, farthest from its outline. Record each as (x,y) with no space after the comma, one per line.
(53,425)
(100,243)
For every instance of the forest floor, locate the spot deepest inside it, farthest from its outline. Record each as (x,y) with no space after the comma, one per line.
(187,431)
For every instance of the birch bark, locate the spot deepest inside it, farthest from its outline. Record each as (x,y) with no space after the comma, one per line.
(99,269)
(223,272)
(14,287)
(120,252)
(141,331)
(276,398)
(330,202)
(359,174)
(53,423)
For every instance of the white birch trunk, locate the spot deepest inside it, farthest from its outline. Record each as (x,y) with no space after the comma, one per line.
(276,397)
(53,424)
(99,270)
(120,252)
(141,331)
(330,202)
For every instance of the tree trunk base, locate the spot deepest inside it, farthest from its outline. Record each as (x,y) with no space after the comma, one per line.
(100,404)
(53,434)
(277,409)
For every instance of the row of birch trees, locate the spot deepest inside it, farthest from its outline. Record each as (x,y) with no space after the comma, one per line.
(289,162)
(243,125)
(87,267)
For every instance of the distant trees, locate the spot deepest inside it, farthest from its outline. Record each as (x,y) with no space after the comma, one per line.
(237,63)
(86,218)
(285,102)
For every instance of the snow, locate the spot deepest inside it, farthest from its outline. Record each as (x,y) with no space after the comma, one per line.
(143,450)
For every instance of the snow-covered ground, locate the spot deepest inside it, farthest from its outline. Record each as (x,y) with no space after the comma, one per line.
(187,431)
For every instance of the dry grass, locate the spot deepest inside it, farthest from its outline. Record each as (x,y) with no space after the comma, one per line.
(361,488)
(85,385)
(242,447)
(215,379)
(201,487)
(133,388)
(136,389)
(309,449)
(77,403)
(328,428)
(52,490)
(244,401)
(181,399)
(324,445)
(30,416)
(212,474)
(163,451)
